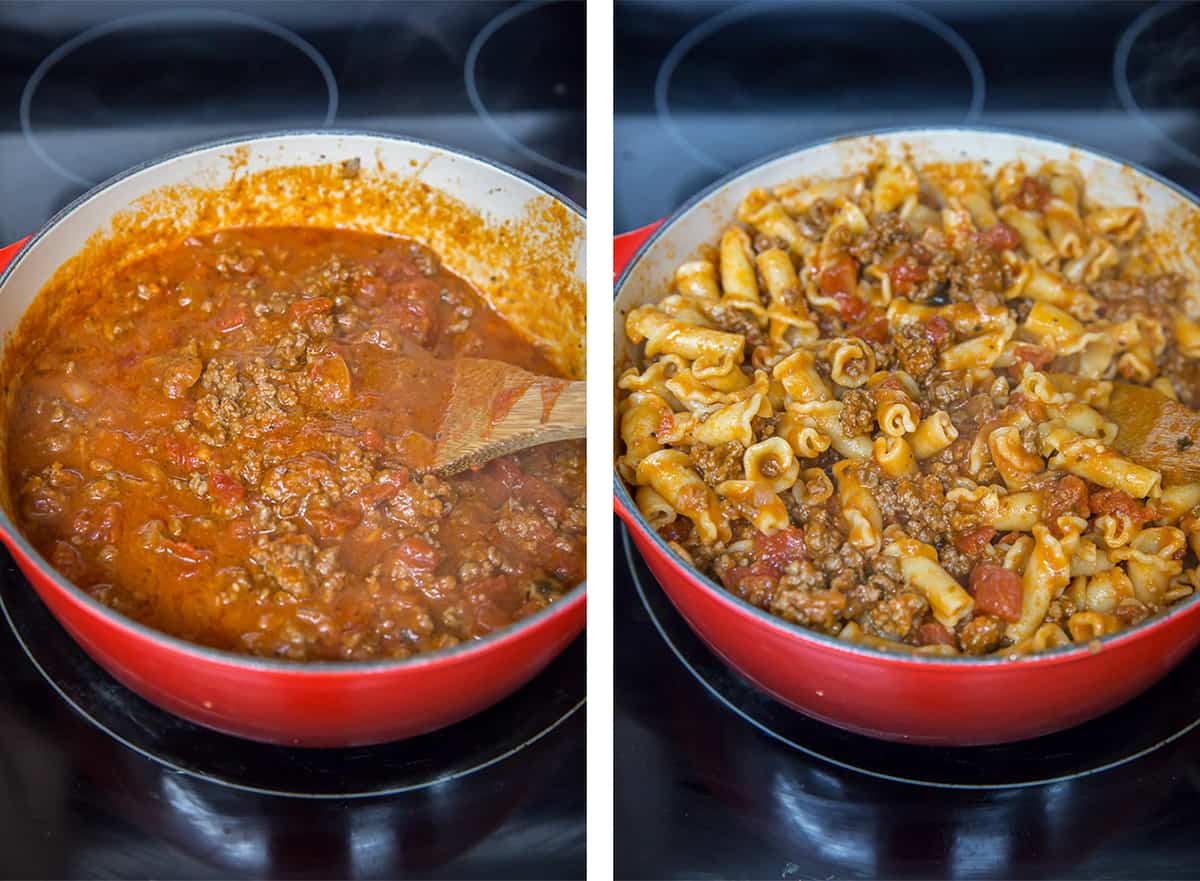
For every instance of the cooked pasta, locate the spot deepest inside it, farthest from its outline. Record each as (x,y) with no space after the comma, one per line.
(878,408)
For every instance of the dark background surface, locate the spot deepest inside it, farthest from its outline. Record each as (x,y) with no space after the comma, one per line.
(704,88)
(183,74)
(74,802)
(699,792)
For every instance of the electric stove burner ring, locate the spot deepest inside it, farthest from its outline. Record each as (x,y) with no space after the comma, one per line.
(711,26)
(469,76)
(169,16)
(1125,46)
(1144,725)
(441,757)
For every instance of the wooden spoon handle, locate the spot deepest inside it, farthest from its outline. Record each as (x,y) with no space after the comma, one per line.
(1152,429)
(517,411)
(1155,431)
(563,409)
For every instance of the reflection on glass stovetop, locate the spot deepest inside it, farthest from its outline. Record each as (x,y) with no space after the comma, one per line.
(700,792)
(88,89)
(702,89)
(75,803)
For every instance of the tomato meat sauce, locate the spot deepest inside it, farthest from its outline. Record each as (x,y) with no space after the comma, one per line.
(225,445)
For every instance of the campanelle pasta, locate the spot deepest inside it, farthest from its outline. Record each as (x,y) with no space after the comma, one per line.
(878,407)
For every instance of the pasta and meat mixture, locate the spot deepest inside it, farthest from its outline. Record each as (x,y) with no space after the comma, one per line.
(878,410)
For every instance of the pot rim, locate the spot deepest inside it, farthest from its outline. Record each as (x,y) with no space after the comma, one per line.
(18,544)
(635,521)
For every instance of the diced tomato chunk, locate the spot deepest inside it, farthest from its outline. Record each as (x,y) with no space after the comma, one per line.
(231,319)
(386,486)
(1115,501)
(998,591)
(182,454)
(101,526)
(739,578)
(873,329)
(1036,356)
(495,493)
(494,587)
(1033,194)
(225,489)
(418,553)
(490,604)
(415,310)
(330,384)
(937,329)
(933,633)
(850,307)
(839,276)
(1000,236)
(906,273)
(376,493)
(506,471)
(331,523)
(975,540)
(301,309)
(785,546)
(1067,496)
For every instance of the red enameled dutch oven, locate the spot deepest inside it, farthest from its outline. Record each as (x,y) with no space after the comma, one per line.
(919,699)
(198,190)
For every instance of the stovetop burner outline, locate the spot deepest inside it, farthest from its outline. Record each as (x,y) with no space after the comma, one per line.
(301,757)
(165,16)
(1129,38)
(486,33)
(707,28)
(632,560)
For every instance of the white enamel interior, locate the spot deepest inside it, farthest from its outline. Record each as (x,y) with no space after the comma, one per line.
(496,193)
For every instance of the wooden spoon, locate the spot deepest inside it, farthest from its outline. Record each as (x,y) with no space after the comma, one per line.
(494,409)
(1153,430)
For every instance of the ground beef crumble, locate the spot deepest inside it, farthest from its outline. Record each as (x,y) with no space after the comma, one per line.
(220,447)
(718,464)
(858,412)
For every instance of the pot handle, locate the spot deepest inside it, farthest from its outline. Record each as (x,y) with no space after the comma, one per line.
(626,245)
(7,253)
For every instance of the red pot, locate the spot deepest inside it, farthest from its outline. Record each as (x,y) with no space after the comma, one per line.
(919,699)
(315,704)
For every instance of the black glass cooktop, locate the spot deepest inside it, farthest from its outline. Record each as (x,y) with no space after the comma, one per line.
(88,89)
(93,781)
(703,88)
(713,778)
